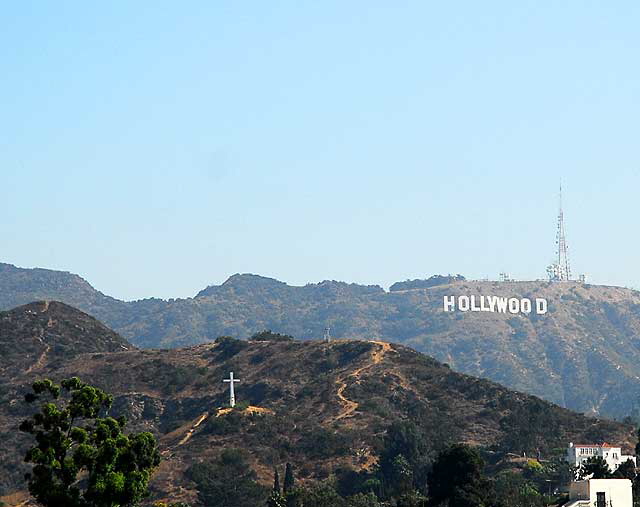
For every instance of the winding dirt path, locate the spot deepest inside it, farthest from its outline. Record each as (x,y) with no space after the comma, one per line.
(350,406)
(189,434)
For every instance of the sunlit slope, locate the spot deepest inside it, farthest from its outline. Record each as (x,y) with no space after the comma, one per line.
(583,353)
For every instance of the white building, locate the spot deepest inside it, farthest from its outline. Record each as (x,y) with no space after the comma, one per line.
(600,493)
(577,454)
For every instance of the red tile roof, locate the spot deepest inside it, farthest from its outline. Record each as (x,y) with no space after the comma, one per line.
(604,444)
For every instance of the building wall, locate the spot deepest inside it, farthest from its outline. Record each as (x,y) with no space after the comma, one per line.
(612,455)
(579,490)
(617,492)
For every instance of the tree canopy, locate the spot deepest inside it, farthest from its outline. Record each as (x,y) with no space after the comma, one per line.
(404,459)
(228,481)
(73,440)
(269,336)
(456,478)
(595,468)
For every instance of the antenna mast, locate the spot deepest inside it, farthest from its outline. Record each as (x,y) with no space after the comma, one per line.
(563,249)
(560,271)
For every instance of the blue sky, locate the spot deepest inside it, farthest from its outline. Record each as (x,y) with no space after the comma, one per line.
(157,147)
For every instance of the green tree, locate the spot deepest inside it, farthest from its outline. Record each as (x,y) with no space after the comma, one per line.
(404,458)
(626,470)
(348,482)
(412,499)
(363,500)
(276,481)
(595,468)
(557,474)
(513,489)
(289,479)
(288,491)
(276,499)
(401,476)
(322,495)
(228,482)
(73,440)
(457,480)
(269,336)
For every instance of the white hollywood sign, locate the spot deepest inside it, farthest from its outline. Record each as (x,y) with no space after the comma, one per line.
(494,304)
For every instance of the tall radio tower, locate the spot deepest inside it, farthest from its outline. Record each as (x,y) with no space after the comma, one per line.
(560,270)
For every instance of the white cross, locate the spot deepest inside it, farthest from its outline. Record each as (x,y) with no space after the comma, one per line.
(232,394)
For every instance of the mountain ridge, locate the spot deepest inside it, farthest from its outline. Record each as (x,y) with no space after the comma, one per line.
(583,354)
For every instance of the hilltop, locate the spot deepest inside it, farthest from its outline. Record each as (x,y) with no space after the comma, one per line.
(583,354)
(318,405)
(47,332)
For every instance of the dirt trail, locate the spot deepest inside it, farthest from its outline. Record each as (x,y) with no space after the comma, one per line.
(250,410)
(189,434)
(18,499)
(41,360)
(351,406)
(43,357)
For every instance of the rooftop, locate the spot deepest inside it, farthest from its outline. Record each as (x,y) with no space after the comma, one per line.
(602,445)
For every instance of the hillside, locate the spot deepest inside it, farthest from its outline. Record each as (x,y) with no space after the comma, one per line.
(35,338)
(317,405)
(47,332)
(20,286)
(583,354)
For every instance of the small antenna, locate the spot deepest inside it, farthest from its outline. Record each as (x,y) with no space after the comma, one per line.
(505,277)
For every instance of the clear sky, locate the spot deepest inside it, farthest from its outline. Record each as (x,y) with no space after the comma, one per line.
(158,147)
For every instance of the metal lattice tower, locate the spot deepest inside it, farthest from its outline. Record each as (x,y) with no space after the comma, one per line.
(560,270)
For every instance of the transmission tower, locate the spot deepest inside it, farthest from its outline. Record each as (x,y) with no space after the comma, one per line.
(560,270)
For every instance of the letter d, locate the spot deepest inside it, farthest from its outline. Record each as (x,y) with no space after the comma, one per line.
(541,306)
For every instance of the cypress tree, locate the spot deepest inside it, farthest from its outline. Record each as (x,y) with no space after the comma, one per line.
(276,481)
(276,499)
(288,479)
